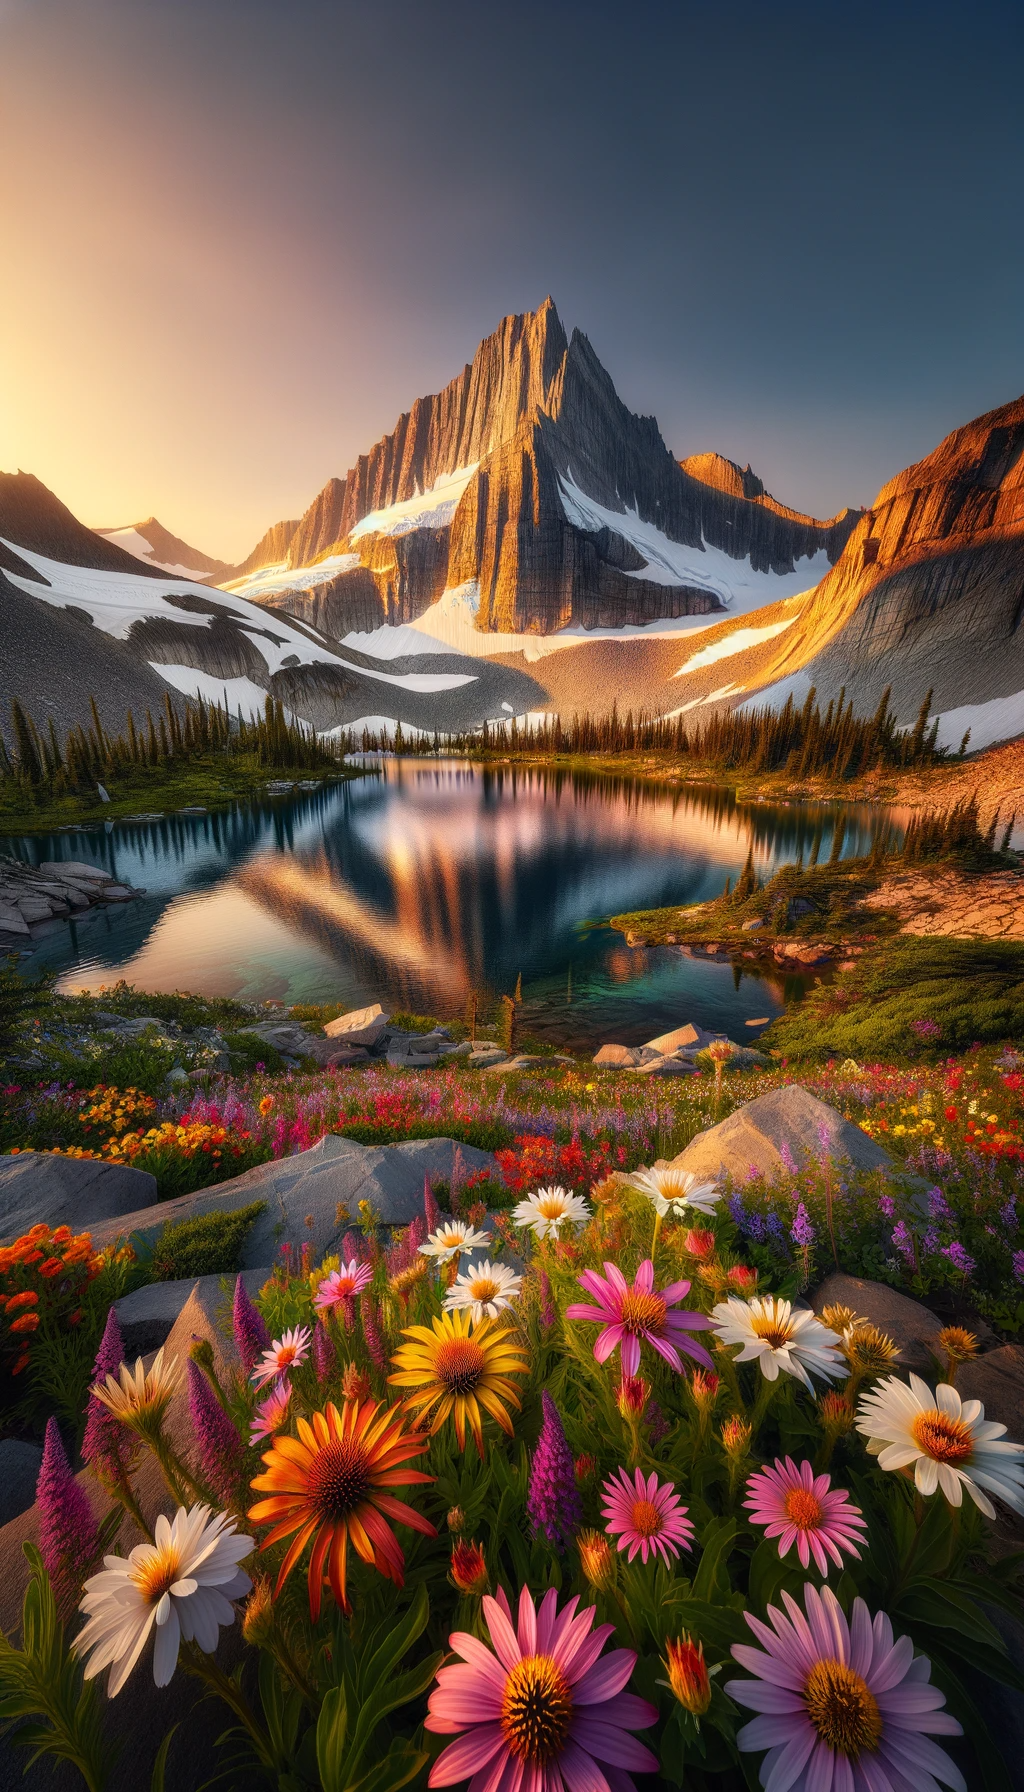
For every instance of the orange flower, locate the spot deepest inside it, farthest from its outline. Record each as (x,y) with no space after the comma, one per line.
(27,1298)
(330,1483)
(469,1568)
(688,1674)
(28,1322)
(267,1104)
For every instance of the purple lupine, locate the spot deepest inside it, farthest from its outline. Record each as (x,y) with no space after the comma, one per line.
(887,1206)
(251,1335)
(938,1206)
(959,1257)
(788,1160)
(68,1537)
(802,1232)
(547,1305)
(655,1420)
(903,1240)
(553,1501)
(1018,1265)
(107,1447)
(417,1232)
(353,1247)
(431,1211)
(372,1332)
(325,1359)
(217,1444)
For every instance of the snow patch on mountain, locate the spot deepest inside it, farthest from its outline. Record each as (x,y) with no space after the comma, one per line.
(1001,718)
(430,509)
(737,642)
(734,582)
(240,695)
(134,543)
(270,580)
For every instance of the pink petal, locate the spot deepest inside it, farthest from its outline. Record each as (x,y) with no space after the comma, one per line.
(478,1657)
(674,1293)
(616,1278)
(629,1712)
(665,1349)
(610,1744)
(606,1679)
(546,1621)
(580,1772)
(644,1278)
(506,1645)
(629,1355)
(579,1311)
(527,1626)
(467,1755)
(610,1339)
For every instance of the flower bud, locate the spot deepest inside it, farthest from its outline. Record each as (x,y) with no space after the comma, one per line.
(958,1344)
(835,1414)
(699,1243)
(735,1438)
(688,1674)
(597,1559)
(743,1277)
(632,1395)
(469,1568)
(585,1466)
(258,1616)
(456,1520)
(704,1386)
(354,1384)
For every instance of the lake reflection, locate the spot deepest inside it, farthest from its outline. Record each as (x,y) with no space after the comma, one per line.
(427,879)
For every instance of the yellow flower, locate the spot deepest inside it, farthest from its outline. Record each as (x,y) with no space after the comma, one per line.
(456,1368)
(140,1397)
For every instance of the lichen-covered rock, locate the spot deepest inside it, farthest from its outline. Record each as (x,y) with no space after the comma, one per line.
(789,1119)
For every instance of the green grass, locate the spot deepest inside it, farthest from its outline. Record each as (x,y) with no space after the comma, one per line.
(206,1246)
(833,891)
(972,989)
(211,780)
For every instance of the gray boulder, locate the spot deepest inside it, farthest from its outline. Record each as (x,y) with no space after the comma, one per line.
(666,1066)
(910,1325)
(753,1137)
(334,1175)
(19,1472)
(997,1380)
(486,1057)
(363,1026)
(148,1315)
(689,1038)
(41,1187)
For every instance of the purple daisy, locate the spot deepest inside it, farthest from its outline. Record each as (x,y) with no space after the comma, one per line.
(645,1515)
(797,1506)
(841,1704)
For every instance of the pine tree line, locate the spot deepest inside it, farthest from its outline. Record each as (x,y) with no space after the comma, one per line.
(801,741)
(91,755)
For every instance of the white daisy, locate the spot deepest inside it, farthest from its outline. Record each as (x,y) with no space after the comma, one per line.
(485,1288)
(949,1441)
(284,1354)
(450,1240)
(181,1583)
(140,1397)
(780,1336)
(671,1190)
(549,1209)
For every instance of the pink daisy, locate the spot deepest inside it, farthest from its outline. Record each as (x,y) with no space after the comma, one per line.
(645,1515)
(539,1709)
(841,1704)
(629,1314)
(798,1506)
(284,1354)
(271,1413)
(341,1285)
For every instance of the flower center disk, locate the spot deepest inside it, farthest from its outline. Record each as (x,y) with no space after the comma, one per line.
(157,1575)
(774,1334)
(843,1709)
(339,1479)
(459,1364)
(802,1509)
(639,1313)
(536,1710)
(942,1438)
(645,1518)
(483,1288)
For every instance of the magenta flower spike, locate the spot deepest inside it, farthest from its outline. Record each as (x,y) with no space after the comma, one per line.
(431,1211)
(325,1359)
(217,1444)
(251,1335)
(108,1448)
(68,1537)
(640,1314)
(553,1500)
(372,1332)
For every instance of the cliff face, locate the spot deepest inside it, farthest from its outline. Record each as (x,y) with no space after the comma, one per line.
(515,478)
(929,590)
(33,517)
(270,550)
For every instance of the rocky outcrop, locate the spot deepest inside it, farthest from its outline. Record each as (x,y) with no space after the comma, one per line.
(547,459)
(32,517)
(270,550)
(929,590)
(807,533)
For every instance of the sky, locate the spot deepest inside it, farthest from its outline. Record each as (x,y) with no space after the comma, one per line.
(239,237)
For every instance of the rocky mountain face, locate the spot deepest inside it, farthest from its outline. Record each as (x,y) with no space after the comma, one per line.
(32,517)
(155,546)
(929,590)
(529,479)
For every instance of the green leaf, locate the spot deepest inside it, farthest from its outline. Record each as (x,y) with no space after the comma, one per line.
(769,1574)
(718,1540)
(156,1784)
(716,1626)
(938,1603)
(401,1638)
(331,1737)
(400,1765)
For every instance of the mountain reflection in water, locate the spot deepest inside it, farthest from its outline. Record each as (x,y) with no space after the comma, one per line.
(426,880)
